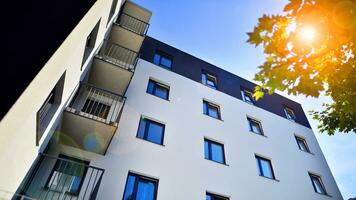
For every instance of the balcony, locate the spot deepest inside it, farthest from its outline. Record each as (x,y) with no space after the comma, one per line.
(62,178)
(113,67)
(90,122)
(133,24)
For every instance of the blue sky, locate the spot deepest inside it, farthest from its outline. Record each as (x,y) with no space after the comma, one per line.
(215,31)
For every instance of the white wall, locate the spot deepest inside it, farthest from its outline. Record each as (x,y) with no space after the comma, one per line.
(18,147)
(180,166)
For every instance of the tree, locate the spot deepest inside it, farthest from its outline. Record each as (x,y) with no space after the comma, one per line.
(310,50)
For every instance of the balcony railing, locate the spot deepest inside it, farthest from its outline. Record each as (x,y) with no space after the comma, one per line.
(133,24)
(62,178)
(118,55)
(97,104)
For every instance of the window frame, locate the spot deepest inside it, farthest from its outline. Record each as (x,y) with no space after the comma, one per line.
(209,76)
(250,121)
(72,160)
(319,179)
(304,141)
(159,84)
(137,178)
(288,110)
(149,121)
(209,141)
(209,104)
(213,196)
(164,55)
(260,169)
(249,94)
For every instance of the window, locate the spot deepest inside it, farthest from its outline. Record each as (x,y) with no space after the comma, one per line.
(96,108)
(209,79)
(158,89)
(302,144)
(162,60)
(255,126)
(67,174)
(290,114)
(140,188)
(49,108)
(214,151)
(211,110)
(264,167)
(317,184)
(247,96)
(151,131)
(112,10)
(210,196)
(90,43)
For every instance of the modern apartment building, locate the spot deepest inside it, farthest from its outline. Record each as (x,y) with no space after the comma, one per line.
(116,114)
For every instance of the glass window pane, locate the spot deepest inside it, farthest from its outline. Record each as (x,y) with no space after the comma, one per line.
(266,168)
(150,87)
(302,145)
(210,83)
(129,190)
(156,59)
(141,129)
(209,197)
(213,112)
(161,92)
(166,62)
(155,133)
(205,108)
(217,153)
(255,126)
(145,190)
(206,149)
(203,78)
(317,185)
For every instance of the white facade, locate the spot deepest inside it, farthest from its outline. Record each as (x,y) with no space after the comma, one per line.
(179,163)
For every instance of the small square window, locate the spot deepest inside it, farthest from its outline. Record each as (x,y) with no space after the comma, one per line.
(210,196)
(209,80)
(264,167)
(211,110)
(247,96)
(302,144)
(290,114)
(158,89)
(255,126)
(151,131)
(140,187)
(317,184)
(163,60)
(214,151)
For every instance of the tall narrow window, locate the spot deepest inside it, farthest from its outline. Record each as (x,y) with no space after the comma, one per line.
(49,108)
(151,131)
(162,60)
(255,126)
(290,114)
(302,144)
(140,188)
(211,109)
(214,151)
(112,10)
(210,196)
(90,43)
(317,184)
(158,89)
(67,175)
(209,80)
(247,96)
(264,167)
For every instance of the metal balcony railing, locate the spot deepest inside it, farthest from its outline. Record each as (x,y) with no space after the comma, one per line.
(98,104)
(118,55)
(132,23)
(62,178)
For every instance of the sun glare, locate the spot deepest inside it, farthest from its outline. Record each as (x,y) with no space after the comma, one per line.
(307,34)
